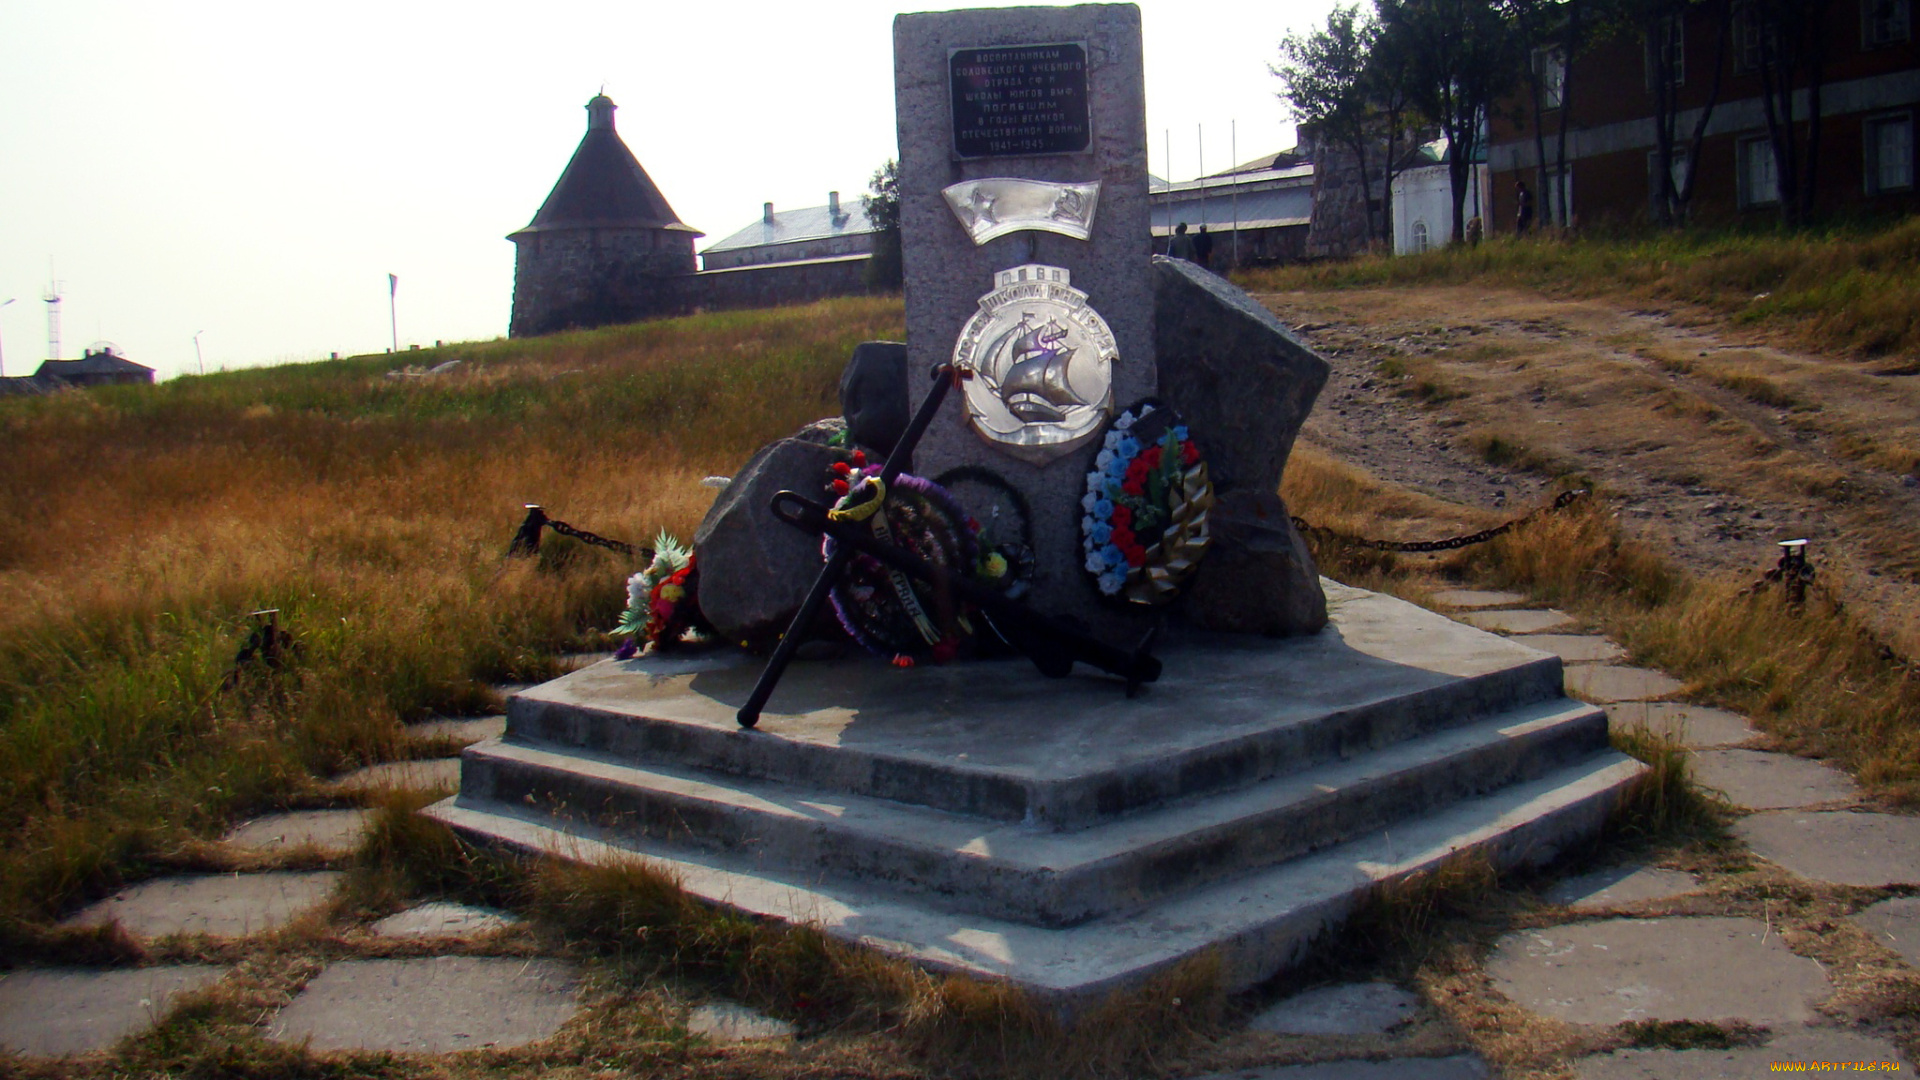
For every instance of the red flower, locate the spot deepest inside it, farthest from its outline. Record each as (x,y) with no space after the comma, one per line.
(1136,478)
(841,468)
(841,487)
(1151,455)
(1122,537)
(1122,516)
(860,458)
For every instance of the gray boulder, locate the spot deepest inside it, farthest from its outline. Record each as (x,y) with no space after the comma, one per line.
(754,569)
(873,394)
(1244,384)
(1235,373)
(1258,576)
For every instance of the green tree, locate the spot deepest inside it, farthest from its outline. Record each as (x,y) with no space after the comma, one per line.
(1334,80)
(882,204)
(1458,56)
(1792,43)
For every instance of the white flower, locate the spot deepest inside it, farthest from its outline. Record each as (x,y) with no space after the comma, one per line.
(1105,459)
(1092,496)
(637,589)
(1113,438)
(1122,424)
(1096,564)
(1087,523)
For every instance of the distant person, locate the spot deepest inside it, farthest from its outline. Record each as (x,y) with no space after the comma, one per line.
(1523,223)
(1182,247)
(1203,248)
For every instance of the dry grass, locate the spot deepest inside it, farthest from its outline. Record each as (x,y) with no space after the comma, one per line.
(1853,288)
(145,523)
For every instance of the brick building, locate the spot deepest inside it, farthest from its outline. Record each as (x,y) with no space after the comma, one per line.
(1868,101)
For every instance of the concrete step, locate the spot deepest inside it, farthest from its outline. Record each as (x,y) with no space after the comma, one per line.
(1022,873)
(992,740)
(1260,922)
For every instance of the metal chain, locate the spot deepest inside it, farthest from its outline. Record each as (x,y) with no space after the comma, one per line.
(584,536)
(1561,502)
(526,539)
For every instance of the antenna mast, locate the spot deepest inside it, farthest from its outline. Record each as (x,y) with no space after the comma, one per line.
(52,297)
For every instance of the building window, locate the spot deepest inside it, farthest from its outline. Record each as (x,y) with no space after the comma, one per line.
(1421,239)
(1754,38)
(1550,65)
(1678,172)
(1759,183)
(1558,198)
(1889,142)
(1885,22)
(1667,51)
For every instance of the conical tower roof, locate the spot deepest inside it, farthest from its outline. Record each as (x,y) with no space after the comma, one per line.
(604,185)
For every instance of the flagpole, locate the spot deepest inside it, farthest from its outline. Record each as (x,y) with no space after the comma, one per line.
(1233,150)
(393,313)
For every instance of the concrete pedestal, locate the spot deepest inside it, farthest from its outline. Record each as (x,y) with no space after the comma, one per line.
(978,817)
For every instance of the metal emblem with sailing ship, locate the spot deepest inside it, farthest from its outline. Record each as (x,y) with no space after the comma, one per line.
(1042,364)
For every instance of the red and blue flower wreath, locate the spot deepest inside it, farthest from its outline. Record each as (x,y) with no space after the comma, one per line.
(1144,526)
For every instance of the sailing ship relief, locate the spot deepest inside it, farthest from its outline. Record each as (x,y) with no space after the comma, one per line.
(1042,364)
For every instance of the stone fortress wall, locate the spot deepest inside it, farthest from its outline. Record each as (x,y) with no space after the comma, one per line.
(606,248)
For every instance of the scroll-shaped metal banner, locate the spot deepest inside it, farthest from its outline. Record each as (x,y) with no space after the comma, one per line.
(998,205)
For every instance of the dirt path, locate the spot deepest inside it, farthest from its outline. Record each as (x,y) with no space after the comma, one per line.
(1714,445)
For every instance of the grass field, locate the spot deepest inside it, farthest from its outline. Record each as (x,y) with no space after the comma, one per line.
(1850,290)
(145,524)
(373,512)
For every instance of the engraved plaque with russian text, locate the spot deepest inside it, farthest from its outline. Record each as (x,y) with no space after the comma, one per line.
(1019,100)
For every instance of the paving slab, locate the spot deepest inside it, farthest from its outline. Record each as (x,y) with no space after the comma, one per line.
(336,832)
(1604,684)
(467,728)
(1368,1008)
(1758,780)
(435,774)
(726,1022)
(440,919)
(1477,598)
(50,1012)
(1838,847)
(1458,1067)
(1620,886)
(1690,725)
(430,1005)
(1523,621)
(1803,1045)
(1709,969)
(224,905)
(1574,648)
(1894,923)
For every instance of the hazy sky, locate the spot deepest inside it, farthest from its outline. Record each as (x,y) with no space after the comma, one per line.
(254,171)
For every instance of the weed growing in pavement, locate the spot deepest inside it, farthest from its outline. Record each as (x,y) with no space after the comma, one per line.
(1691,1034)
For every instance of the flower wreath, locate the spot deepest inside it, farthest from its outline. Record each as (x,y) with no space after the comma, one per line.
(888,612)
(1145,523)
(660,601)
